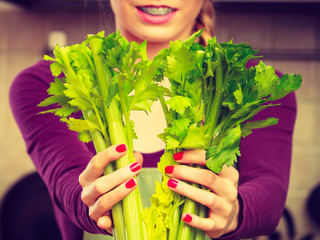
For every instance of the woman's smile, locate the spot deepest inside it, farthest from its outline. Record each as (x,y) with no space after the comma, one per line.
(156,14)
(156,11)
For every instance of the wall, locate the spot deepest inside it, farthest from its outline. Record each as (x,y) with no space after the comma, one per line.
(23,38)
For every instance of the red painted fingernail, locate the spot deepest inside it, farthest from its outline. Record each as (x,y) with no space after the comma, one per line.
(131,183)
(134,167)
(178,156)
(172,183)
(121,148)
(169,169)
(187,218)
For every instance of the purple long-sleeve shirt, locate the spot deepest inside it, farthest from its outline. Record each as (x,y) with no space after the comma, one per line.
(59,157)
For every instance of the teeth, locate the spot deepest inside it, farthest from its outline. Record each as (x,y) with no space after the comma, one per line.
(156,11)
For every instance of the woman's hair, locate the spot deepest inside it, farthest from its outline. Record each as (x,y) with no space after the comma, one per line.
(205,20)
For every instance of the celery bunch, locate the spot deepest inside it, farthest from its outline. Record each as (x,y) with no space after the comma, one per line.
(210,105)
(212,101)
(105,78)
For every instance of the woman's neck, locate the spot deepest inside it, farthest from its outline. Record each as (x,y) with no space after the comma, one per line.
(153,48)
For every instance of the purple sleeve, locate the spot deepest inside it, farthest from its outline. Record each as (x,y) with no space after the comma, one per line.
(264,169)
(56,152)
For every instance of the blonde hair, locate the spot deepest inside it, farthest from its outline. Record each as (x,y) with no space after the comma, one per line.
(205,20)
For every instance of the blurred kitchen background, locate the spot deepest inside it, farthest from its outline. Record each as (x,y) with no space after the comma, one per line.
(286,32)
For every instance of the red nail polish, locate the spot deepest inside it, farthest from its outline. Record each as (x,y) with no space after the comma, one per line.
(178,156)
(169,169)
(131,183)
(187,218)
(134,167)
(121,148)
(172,183)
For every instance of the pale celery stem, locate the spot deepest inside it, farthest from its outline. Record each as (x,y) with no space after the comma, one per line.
(186,231)
(117,210)
(129,135)
(217,101)
(126,118)
(119,230)
(131,203)
(67,62)
(173,232)
(202,212)
(164,108)
(102,127)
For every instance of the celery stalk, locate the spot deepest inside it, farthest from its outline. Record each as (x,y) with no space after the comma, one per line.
(190,206)
(117,210)
(118,135)
(174,230)
(202,212)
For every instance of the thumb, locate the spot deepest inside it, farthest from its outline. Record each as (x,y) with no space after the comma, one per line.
(138,157)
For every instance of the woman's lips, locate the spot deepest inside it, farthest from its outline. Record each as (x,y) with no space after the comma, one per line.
(156,15)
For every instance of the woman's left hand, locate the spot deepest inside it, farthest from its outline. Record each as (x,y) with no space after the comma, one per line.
(221,200)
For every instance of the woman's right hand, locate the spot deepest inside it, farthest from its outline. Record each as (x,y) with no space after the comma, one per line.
(100,193)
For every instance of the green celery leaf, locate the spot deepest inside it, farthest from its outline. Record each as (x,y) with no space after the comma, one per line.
(57,87)
(112,92)
(80,125)
(288,83)
(134,134)
(157,218)
(81,104)
(179,103)
(246,128)
(226,152)
(248,108)
(266,80)
(59,99)
(238,96)
(171,142)
(85,137)
(179,64)
(237,54)
(48,58)
(56,69)
(196,138)
(180,127)
(65,111)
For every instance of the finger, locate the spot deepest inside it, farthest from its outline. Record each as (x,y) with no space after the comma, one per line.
(138,156)
(196,156)
(105,222)
(230,173)
(209,199)
(204,224)
(98,163)
(106,183)
(203,177)
(214,227)
(108,200)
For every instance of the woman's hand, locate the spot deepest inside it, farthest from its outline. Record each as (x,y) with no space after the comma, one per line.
(221,199)
(100,193)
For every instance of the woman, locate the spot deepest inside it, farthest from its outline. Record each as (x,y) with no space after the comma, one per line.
(242,203)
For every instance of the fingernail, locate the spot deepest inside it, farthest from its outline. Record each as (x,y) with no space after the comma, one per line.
(131,183)
(169,169)
(178,156)
(134,167)
(187,218)
(121,148)
(172,183)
